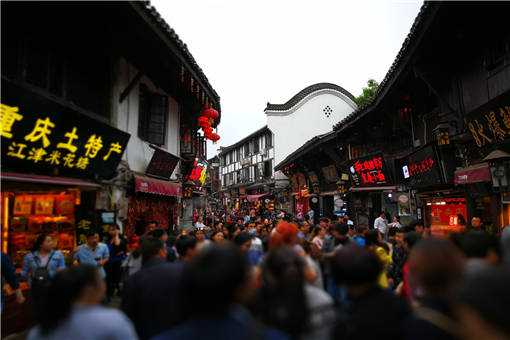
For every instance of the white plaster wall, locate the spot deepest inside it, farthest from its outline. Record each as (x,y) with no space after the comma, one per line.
(138,153)
(294,127)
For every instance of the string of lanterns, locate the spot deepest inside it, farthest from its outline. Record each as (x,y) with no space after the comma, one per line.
(206,120)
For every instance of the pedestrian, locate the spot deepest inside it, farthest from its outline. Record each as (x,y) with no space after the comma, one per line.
(403,289)
(162,235)
(318,236)
(186,246)
(202,241)
(372,312)
(359,236)
(93,253)
(395,223)
(312,260)
(117,248)
(200,223)
(381,224)
(215,285)
(435,272)
(375,244)
(243,241)
(218,236)
(40,266)
(287,302)
(72,309)
(9,277)
(482,304)
(151,295)
(399,258)
(340,233)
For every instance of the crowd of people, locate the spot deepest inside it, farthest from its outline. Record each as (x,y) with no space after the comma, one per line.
(257,276)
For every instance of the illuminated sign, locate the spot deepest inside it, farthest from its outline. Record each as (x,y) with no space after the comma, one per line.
(421,168)
(41,136)
(369,171)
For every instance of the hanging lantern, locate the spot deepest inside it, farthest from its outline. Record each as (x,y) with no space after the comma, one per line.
(215,137)
(211,113)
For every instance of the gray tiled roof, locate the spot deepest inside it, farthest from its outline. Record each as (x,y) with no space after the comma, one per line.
(305,92)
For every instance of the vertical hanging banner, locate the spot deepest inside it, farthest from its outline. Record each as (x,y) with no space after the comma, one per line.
(42,136)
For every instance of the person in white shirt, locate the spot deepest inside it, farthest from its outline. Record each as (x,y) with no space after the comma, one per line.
(381,224)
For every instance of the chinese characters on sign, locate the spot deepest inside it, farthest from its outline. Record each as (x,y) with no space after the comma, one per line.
(46,137)
(421,168)
(490,124)
(369,171)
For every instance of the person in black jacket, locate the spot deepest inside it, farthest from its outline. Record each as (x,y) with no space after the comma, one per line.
(9,275)
(370,312)
(151,295)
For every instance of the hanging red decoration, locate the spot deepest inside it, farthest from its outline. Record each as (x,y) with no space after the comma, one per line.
(211,113)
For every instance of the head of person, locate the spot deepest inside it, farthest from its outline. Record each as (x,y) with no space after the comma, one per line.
(285,233)
(92,238)
(356,268)
(240,221)
(324,222)
(114,230)
(152,248)
(214,280)
(218,237)
(186,246)
(419,227)
(44,243)
(476,222)
(70,287)
(373,238)
(151,225)
(483,301)
(159,234)
(435,268)
(340,231)
(360,230)
(396,219)
(243,241)
(282,302)
(411,239)
(480,245)
(392,232)
(399,237)
(200,235)
(382,214)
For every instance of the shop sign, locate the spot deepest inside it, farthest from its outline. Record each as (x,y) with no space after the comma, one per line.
(421,168)
(490,124)
(42,136)
(369,171)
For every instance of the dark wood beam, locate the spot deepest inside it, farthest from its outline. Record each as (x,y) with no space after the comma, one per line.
(130,86)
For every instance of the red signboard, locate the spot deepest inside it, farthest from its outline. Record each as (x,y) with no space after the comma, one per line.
(369,171)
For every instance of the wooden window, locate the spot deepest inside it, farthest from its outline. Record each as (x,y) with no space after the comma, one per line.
(269,140)
(256,146)
(268,168)
(153,113)
(247,150)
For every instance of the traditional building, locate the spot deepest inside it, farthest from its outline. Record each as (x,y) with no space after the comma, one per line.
(434,143)
(246,167)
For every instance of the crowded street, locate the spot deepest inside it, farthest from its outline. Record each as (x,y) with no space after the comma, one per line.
(368,199)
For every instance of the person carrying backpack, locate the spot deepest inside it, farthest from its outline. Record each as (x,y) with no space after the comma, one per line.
(40,266)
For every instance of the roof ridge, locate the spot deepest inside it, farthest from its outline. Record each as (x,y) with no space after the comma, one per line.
(304,93)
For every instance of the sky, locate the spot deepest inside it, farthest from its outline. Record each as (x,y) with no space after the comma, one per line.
(254,52)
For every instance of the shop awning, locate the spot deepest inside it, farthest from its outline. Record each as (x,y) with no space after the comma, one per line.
(253,198)
(157,186)
(384,188)
(29,178)
(473,174)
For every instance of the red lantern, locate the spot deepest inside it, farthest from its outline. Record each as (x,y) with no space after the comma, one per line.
(215,137)
(203,120)
(208,130)
(211,113)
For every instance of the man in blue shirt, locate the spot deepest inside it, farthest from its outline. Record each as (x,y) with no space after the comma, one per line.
(93,253)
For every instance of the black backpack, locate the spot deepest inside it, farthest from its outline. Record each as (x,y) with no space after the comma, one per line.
(41,275)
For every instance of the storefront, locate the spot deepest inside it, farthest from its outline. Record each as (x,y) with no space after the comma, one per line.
(53,162)
(372,189)
(53,159)
(152,200)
